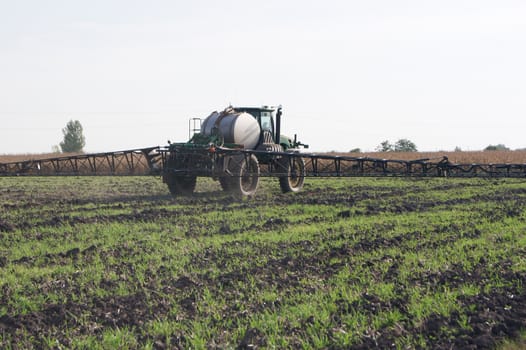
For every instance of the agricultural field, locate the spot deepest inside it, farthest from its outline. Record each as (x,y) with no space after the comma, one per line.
(116,262)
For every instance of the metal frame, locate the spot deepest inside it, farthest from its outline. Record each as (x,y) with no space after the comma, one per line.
(320,165)
(143,161)
(204,160)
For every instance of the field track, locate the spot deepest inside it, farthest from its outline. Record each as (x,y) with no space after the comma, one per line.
(115,262)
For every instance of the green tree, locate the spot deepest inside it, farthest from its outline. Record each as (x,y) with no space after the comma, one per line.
(499,147)
(74,140)
(385,146)
(404,145)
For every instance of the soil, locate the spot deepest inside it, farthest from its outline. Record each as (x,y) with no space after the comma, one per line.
(492,316)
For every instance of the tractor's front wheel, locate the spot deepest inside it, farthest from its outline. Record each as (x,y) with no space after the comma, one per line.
(181,184)
(244,179)
(293,174)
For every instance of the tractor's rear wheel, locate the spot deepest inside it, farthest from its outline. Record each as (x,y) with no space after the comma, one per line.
(181,184)
(244,179)
(293,178)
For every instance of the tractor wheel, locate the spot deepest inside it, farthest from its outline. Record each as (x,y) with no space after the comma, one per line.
(245,175)
(294,170)
(181,185)
(225,183)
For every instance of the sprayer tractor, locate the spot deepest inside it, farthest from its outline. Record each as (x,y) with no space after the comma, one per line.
(231,147)
(237,147)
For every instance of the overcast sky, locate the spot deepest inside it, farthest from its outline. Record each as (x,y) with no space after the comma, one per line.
(348,73)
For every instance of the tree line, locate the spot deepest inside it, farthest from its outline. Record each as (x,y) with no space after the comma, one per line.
(405,145)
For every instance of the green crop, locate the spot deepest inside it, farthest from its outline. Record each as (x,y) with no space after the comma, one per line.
(116,262)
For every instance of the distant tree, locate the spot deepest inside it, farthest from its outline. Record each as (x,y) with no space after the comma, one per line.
(499,147)
(74,140)
(55,149)
(385,146)
(355,150)
(458,149)
(404,145)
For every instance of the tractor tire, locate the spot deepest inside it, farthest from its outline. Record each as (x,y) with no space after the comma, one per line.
(225,183)
(181,185)
(294,170)
(245,175)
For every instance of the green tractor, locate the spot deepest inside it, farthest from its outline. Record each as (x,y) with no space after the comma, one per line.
(236,147)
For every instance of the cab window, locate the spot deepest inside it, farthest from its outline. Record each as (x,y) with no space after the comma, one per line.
(266,122)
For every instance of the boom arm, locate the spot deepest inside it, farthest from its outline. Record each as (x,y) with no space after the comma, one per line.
(143,161)
(152,161)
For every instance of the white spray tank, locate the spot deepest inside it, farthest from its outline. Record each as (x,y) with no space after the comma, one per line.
(235,127)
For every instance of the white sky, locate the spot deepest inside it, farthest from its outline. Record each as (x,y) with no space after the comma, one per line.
(348,73)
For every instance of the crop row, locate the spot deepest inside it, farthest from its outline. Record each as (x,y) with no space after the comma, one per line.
(359,263)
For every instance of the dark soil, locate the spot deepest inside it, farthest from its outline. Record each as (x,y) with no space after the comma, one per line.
(486,318)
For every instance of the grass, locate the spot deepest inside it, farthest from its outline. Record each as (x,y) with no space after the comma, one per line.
(115,262)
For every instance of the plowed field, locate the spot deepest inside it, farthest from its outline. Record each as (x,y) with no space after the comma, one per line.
(112,262)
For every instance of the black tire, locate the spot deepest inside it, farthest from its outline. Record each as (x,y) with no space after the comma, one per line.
(245,175)
(181,185)
(294,170)
(225,183)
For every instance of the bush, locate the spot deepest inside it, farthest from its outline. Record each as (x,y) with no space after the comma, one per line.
(499,147)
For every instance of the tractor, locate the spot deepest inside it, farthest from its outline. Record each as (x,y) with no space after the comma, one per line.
(235,147)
